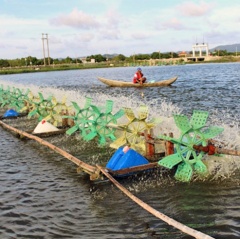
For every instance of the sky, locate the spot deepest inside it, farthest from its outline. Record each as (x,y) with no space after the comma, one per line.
(78,28)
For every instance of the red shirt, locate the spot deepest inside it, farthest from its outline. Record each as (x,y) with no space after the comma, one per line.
(137,76)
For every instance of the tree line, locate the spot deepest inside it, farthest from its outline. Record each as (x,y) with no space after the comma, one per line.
(34,61)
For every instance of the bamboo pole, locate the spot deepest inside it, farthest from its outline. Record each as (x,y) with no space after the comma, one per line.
(168,220)
(228,151)
(93,171)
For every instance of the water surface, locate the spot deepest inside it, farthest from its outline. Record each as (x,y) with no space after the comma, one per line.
(42,196)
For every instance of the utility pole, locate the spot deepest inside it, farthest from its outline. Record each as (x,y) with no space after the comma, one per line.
(43,49)
(48,50)
(45,37)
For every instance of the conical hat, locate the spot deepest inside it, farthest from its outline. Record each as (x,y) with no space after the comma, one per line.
(44,127)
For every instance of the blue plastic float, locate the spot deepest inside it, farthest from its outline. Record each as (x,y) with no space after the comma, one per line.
(125,157)
(10,113)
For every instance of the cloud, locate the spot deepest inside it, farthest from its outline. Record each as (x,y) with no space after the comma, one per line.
(194,10)
(173,23)
(113,18)
(76,19)
(13,21)
(140,35)
(109,34)
(86,37)
(217,37)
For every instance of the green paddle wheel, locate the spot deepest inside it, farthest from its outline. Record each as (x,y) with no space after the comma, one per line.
(81,117)
(13,98)
(187,159)
(91,122)
(17,99)
(101,124)
(5,96)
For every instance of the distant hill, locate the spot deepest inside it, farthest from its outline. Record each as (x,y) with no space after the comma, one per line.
(228,48)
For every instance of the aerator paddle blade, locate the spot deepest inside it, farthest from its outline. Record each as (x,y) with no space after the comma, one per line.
(118,143)
(182,123)
(200,168)
(184,172)
(90,136)
(72,130)
(170,161)
(175,141)
(212,132)
(119,114)
(199,119)
(142,112)
(129,113)
(109,106)
(153,122)
(76,106)
(88,102)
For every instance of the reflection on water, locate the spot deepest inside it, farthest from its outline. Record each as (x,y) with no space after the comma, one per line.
(42,196)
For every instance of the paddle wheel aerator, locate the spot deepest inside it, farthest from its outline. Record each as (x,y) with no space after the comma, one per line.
(133,130)
(92,122)
(186,158)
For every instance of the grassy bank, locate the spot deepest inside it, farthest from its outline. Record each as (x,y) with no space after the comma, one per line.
(79,66)
(64,67)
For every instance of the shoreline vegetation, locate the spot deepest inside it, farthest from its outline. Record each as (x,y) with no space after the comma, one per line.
(112,63)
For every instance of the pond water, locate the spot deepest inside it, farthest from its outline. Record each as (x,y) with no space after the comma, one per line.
(42,196)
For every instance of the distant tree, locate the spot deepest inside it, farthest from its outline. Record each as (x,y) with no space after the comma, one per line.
(119,57)
(167,55)
(14,63)
(98,58)
(68,60)
(34,60)
(223,53)
(56,61)
(26,61)
(142,57)
(156,55)
(4,63)
(79,61)
(175,55)
(31,60)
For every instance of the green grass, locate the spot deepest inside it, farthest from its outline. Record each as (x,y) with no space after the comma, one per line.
(11,70)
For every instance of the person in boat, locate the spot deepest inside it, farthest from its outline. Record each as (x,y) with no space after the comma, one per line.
(138,77)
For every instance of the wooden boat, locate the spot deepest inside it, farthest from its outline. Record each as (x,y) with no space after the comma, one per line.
(117,83)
